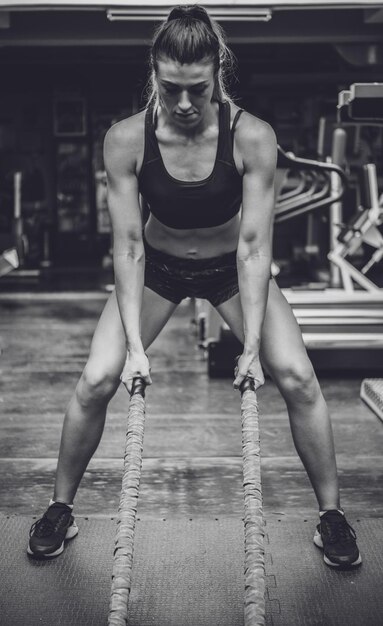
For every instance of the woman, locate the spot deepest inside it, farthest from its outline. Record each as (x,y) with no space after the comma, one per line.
(196,158)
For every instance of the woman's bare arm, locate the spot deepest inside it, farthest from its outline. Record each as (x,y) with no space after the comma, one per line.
(120,154)
(259,153)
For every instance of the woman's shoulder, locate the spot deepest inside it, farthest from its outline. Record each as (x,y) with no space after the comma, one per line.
(250,128)
(254,138)
(126,133)
(124,142)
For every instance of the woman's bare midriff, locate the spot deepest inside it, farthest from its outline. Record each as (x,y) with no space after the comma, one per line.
(197,243)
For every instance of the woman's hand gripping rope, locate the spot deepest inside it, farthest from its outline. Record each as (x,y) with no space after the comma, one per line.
(136,366)
(248,366)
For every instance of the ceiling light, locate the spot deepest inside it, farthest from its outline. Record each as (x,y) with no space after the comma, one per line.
(150,13)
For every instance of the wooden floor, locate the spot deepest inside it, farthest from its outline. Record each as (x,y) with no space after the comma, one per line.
(192,462)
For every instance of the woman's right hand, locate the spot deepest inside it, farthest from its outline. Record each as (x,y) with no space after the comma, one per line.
(136,365)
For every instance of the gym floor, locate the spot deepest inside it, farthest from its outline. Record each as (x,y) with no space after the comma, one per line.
(192,463)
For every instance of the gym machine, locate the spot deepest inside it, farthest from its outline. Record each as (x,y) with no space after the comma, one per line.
(9,261)
(11,242)
(17,239)
(341,323)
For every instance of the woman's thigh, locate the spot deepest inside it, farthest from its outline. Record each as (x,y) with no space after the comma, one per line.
(282,346)
(108,347)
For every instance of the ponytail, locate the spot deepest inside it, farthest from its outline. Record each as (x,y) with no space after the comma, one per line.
(193,11)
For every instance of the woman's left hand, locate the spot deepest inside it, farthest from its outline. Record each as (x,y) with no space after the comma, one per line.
(248,365)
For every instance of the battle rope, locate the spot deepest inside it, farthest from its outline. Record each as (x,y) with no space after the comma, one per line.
(254,604)
(127,511)
(254,601)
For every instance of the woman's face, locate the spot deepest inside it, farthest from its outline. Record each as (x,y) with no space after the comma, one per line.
(186,90)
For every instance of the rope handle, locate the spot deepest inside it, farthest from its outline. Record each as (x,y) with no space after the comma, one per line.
(248,384)
(138,386)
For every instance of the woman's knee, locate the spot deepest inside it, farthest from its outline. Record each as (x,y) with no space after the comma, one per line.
(298,382)
(96,385)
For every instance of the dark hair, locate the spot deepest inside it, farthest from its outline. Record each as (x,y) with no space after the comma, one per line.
(190,35)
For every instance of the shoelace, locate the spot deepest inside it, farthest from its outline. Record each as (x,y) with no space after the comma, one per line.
(44,526)
(339,531)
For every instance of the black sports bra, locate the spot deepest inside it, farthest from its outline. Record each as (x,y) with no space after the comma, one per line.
(196,204)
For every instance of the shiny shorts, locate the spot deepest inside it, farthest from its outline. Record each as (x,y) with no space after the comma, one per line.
(175,278)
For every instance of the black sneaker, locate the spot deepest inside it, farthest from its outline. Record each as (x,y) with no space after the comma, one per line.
(48,534)
(338,541)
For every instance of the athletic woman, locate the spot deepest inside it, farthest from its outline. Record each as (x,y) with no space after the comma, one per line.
(206,169)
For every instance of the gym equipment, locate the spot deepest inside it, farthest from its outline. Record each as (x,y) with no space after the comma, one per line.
(254,566)
(252,485)
(363,228)
(28,230)
(350,337)
(341,323)
(18,225)
(9,260)
(123,552)
(371,391)
(313,188)
(17,256)
(361,103)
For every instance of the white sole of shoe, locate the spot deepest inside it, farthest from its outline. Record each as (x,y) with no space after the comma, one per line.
(70,533)
(319,543)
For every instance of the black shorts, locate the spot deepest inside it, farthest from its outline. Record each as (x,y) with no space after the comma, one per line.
(175,278)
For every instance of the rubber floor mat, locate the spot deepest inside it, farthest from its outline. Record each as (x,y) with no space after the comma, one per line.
(188,573)
(303,591)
